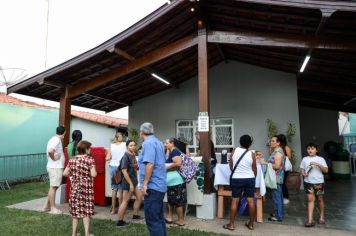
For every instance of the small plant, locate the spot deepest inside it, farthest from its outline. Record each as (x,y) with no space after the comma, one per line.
(133,135)
(272,130)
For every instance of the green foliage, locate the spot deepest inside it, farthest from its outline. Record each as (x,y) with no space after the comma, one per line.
(291,130)
(272,130)
(133,135)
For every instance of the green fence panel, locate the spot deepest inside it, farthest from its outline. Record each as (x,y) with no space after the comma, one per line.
(14,167)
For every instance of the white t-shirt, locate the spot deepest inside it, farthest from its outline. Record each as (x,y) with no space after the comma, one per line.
(315,175)
(117,152)
(244,168)
(56,144)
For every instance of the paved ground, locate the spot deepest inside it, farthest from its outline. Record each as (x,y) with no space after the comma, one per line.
(340,215)
(340,206)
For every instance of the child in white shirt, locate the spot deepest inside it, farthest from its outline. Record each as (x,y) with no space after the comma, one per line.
(312,168)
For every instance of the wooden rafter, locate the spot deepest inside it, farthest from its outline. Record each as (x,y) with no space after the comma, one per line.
(313,86)
(149,70)
(311,4)
(326,105)
(139,63)
(278,40)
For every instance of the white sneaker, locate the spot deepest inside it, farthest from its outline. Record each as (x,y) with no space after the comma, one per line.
(285,201)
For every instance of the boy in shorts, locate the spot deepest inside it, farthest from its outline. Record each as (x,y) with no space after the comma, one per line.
(312,168)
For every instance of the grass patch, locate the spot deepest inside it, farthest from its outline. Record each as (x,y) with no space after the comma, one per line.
(23,222)
(23,192)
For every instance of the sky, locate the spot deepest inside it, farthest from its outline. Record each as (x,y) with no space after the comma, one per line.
(74,26)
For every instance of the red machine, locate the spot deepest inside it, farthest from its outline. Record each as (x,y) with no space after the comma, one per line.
(98,153)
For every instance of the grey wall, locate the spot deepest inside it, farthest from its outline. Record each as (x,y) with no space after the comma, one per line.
(318,126)
(99,135)
(246,93)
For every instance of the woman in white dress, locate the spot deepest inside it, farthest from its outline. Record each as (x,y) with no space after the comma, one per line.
(114,155)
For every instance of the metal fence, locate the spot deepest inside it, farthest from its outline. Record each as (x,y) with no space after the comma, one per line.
(15,167)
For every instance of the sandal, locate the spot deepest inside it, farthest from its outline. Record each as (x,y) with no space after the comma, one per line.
(227,226)
(175,224)
(273,219)
(168,221)
(309,224)
(250,227)
(321,222)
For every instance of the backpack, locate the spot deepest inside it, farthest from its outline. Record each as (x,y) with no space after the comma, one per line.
(188,169)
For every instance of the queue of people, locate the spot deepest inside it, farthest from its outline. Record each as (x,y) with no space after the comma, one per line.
(156,174)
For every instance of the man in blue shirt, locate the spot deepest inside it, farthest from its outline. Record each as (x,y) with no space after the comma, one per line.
(153,180)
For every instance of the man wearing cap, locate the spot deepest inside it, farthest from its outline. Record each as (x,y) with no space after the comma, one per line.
(153,180)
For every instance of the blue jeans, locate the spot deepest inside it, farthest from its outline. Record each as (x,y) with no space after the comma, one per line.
(153,207)
(112,172)
(277,196)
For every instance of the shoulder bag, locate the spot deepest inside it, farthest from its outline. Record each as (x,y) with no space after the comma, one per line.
(232,172)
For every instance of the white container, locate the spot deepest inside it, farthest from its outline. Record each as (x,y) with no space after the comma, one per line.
(208,209)
(61,195)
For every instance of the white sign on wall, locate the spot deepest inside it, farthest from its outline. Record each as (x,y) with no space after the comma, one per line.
(203,122)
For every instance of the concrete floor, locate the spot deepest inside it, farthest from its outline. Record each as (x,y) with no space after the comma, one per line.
(340,199)
(340,206)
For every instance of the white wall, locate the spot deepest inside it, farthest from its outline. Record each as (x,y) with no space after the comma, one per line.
(246,93)
(318,126)
(99,135)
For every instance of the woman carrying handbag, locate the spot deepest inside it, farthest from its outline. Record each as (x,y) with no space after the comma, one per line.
(242,180)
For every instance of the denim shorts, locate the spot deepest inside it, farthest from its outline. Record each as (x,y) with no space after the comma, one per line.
(243,187)
(112,172)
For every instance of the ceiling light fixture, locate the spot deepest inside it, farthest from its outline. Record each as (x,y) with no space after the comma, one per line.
(160,78)
(192,9)
(304,63)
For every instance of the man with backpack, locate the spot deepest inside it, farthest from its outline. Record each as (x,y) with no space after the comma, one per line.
(152,180)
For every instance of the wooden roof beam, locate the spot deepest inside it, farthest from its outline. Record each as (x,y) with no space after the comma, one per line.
(139,63)
(279,40)
(326,105)
(108,98)
(325,16)
(327,88)
(149,70)
(99,96)
(310,4)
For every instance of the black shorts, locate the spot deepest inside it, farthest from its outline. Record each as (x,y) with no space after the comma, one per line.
(317,189)
(177,195)
(126,186)
(243,187)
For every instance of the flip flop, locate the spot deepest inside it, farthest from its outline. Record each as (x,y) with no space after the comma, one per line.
(274,219)
(248,226)
(226,226)
(309,224)
(168,221)
(175,224)
(321,222)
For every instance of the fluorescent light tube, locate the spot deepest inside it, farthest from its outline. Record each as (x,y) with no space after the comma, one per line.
(305,63)
(160,78)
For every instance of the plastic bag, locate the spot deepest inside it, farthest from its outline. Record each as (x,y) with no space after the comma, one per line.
(243,206)
(270,178)
(287,165)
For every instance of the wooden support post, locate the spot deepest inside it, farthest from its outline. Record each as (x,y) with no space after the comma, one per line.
(65,114)
(204,101)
